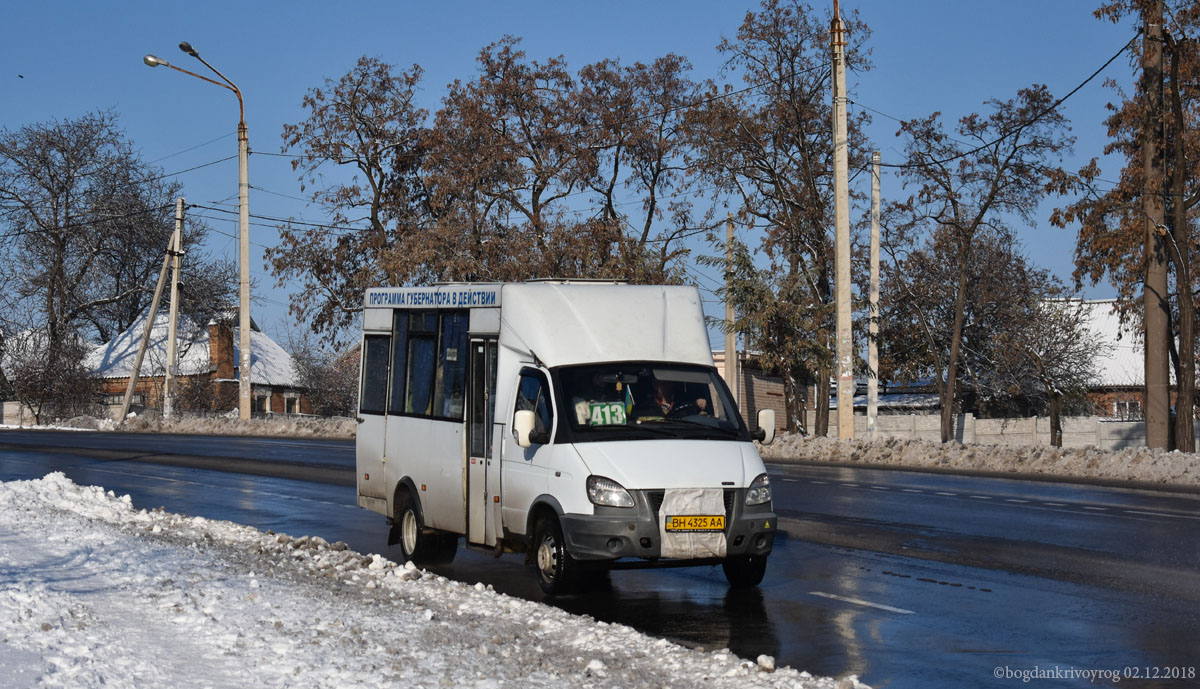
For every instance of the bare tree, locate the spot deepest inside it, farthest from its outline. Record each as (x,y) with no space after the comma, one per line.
(994,165)
(365,123)
(330,379)
(1049,353)
(51,383)
(769,147)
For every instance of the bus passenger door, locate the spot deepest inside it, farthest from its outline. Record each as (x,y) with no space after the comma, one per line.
(482,476)
(370,445)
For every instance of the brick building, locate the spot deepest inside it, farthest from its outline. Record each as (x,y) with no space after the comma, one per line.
(756,390)
(208,373)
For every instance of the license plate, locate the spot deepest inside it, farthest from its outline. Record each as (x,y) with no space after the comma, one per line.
(693,522)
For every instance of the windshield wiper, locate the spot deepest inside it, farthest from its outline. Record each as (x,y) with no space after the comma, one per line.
(706,426)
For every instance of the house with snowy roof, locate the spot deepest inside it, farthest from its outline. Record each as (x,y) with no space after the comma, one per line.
(1118,390)
(207,368)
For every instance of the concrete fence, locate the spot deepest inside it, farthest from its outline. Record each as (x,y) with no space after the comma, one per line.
(1078,431)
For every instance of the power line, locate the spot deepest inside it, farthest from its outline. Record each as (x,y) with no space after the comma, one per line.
(192,148)
(1051,108)
(86,223)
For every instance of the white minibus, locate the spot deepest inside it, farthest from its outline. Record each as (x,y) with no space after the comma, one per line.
(580,423)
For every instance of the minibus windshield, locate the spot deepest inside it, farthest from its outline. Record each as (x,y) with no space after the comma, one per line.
(647,400)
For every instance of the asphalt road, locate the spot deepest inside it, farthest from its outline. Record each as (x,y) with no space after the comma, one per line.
(905,579)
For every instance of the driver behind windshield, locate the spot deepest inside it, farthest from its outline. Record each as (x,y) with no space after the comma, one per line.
(663,402)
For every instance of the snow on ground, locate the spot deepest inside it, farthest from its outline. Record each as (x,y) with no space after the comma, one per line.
(1141,464)
(94,593)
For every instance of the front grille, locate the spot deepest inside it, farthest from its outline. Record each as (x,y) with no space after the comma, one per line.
(655,498)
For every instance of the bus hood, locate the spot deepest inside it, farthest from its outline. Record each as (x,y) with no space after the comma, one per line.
(655,464)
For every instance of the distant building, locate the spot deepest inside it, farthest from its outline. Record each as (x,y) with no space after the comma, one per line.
(756,389)
(1118,391)
(208,374)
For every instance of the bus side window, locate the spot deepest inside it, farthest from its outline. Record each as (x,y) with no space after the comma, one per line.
(374,386)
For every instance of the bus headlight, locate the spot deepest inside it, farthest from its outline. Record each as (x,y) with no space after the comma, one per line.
(607,492)
(759,491)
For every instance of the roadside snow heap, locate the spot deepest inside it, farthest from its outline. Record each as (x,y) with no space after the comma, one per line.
(280,426)
(95,594)
(1144,465)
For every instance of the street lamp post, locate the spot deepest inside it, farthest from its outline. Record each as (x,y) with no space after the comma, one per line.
(243,221)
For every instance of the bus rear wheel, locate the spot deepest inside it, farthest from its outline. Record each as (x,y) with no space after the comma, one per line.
(416,545)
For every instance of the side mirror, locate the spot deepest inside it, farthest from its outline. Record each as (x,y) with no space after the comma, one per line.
(523,423)
(765,433)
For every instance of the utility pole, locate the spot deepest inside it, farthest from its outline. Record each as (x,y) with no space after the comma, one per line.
(731,355)
(1154,290)
(841,207)
(141,353)
(243,269)
(873,328)
(175,252)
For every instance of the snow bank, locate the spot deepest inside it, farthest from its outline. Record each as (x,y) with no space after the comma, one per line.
(98,594)
(281,426)
(1140,464)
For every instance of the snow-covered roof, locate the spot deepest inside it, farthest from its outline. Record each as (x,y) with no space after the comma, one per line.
(895,400)
(1120,358)
(269,363)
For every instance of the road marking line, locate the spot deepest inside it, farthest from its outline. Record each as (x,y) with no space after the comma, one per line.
(823,483)
(911,490)
(980,497)
(880,488)
(1054,504)
(1016,500)
(849,485)
(1162,514)
(856,601)
(1097,509)
(950,494)
(789,480)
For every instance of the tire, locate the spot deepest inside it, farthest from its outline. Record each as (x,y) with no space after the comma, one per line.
(415,545)
(444,549)
(557,571)
(744,572)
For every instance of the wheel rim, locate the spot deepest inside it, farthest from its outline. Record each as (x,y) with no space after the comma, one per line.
(408,531)
(547,557)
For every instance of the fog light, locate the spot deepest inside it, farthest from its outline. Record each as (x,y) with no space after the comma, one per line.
(614,544)
(760,542)
(646,543)
(738,541)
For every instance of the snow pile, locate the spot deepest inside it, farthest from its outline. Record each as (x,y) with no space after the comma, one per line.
(279,426)
(1132,464)
(89,423)
(97,594)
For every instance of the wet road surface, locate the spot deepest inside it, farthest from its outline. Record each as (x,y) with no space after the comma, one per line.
(905,579)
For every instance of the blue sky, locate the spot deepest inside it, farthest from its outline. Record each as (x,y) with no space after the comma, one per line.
(931,55)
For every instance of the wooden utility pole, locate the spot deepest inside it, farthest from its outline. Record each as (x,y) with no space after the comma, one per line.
(141,353)
(873,327)
(841,212)
(1154,290)
(176,250)
(731,355)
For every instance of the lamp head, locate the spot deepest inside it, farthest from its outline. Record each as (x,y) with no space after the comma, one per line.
(187,48)
(152,61)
